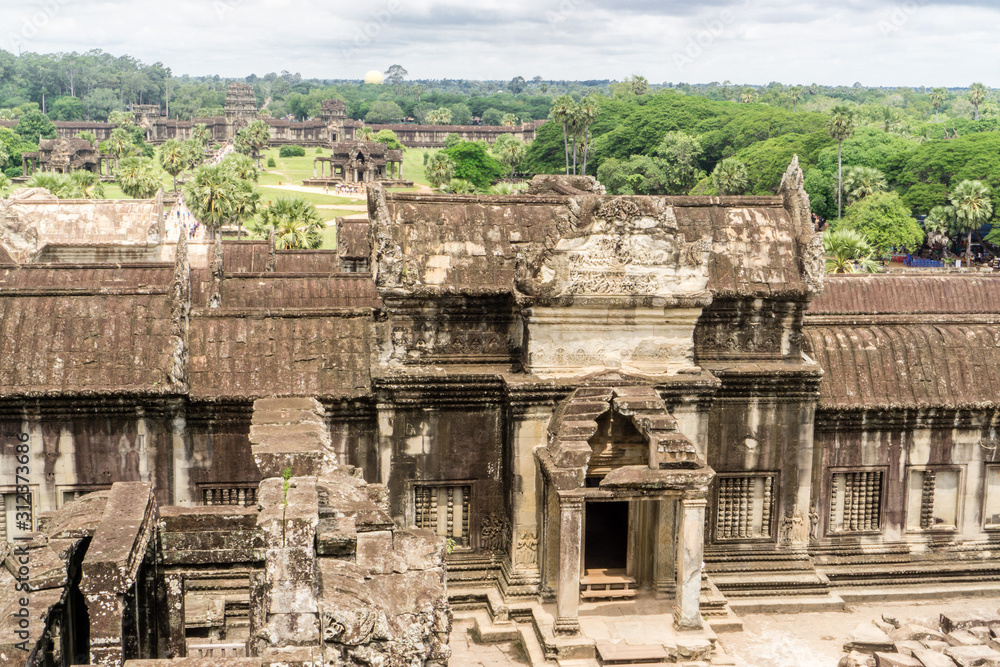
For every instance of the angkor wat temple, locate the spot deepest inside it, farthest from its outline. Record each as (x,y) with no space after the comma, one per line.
(512,404)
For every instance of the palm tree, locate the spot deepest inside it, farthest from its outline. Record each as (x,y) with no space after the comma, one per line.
(730,177)
(5,184)
(60,185)
(562,112)
(210,196)
(939,221)
(439,170)
(441,116)
(174,157)
(890,117)
(119,144)
(748,96)
(366,134)
(295,222)
(859,182)
(201,134)
(252,139)
(588,111)
(89,182)
(843,120)
(795,95)
(973,208)
(137,177)
(509,150)
(977,95)
(848,251)
(508,120)
(938,97)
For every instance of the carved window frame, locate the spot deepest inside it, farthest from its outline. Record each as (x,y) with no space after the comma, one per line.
(227,491)
(78,489)
(11,490)
(959,499)
(769,514)
(987,496)
(880,505)
(464,542)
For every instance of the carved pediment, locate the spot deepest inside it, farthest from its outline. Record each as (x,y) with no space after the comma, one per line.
(625,246)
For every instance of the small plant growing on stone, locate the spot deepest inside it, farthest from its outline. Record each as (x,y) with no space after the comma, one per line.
(449,545)
(285,476)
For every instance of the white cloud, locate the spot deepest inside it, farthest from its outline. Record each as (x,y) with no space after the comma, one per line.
(880,42)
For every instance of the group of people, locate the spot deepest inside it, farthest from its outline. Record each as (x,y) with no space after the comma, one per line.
(181,221)
(347,189)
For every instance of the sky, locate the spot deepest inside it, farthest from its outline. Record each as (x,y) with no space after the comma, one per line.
(830,42)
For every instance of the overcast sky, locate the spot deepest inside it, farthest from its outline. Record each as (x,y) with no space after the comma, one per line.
(876,42)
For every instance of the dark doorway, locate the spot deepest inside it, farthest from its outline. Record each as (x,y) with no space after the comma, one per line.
(606,536)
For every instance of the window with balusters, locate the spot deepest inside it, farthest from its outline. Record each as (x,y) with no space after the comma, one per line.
(443,509)
(856,501)
(745,506)
(932,500)
(242,495)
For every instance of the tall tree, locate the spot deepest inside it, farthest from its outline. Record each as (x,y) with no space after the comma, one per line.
(173,158)
(587,112)
(252,139)
(562,112)
(795,95)
(395,75)
(973,208)
(295,223)
(440,169)
(977,95)
(137,177)
(843,121)
(730,177)
(938,97)
(859,182)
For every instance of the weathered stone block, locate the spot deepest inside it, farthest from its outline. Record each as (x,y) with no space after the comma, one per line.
(375,551)
(930,658)
(895,660)
(974,656)
(867,638)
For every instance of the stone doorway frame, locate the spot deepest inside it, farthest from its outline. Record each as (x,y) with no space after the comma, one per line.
(675,478)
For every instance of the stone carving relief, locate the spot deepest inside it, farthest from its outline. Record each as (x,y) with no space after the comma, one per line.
(494,532)
(526,549)
(615,248)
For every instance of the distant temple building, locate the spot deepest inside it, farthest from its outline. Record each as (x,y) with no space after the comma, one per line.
(332,126)
(358,162)
(64,155)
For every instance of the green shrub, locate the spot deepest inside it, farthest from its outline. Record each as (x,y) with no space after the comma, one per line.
(291,151)
(271,163)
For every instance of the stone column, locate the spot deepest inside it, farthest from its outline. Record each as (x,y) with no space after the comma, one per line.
(314,168)
(664,579)
(174,589)
(529,431)
(570,541)
(689,555)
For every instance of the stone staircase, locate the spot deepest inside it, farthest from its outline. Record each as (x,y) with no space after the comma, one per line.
(768,582)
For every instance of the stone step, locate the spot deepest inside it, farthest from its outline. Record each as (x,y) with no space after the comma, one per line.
(626,654)
(914,591)
(784,604)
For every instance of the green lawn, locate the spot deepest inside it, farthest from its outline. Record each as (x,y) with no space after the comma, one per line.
(270,194)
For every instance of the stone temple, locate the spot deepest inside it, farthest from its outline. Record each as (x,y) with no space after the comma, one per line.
(506,408)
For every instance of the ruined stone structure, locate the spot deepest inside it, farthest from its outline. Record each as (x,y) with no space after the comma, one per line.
(332,126)
(64,155)
(358,162)
(587,396)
